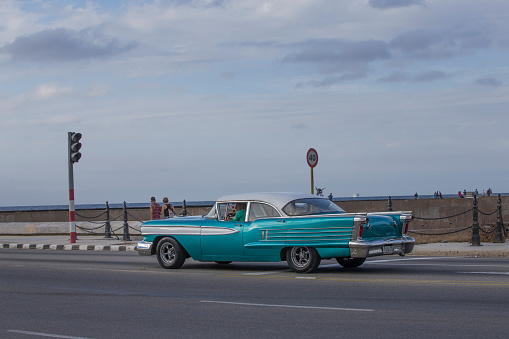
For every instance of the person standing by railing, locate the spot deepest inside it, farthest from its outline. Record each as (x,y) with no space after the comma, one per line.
(155,209)
(168,210)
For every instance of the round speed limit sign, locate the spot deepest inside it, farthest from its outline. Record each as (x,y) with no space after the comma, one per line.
(312,157)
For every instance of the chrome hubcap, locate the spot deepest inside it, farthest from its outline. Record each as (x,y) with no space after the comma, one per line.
(300,256)
(167,253)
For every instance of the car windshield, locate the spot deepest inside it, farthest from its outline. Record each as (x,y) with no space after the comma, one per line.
(212,213)
(311,206)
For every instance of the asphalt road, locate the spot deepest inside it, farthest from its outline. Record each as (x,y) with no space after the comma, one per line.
(80,294)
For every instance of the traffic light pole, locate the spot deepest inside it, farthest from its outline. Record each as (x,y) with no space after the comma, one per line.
(72,214)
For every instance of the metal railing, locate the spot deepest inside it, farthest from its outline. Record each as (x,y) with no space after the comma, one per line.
(106,223)
(499,228)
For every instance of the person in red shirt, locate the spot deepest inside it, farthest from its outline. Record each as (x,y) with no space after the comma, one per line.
(155,209)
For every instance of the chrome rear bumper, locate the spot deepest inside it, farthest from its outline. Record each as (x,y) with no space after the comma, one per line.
(144,248)
(364,249)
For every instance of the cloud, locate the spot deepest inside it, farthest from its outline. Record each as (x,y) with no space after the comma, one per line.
(489,82)
(300,126)
(200,3)
(62,44)
(430,76)
(47,91)
(400,76)
(331,56)
(395,77)
(437,44)
(228,75)
(54,120)
(329,81)
(386,4)
(336,52)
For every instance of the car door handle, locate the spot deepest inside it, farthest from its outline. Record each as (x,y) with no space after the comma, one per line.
(239,225)
(281,220)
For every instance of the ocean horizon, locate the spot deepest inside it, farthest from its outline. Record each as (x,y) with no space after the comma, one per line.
(197,203)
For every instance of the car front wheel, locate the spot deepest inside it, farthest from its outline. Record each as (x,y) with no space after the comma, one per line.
(350,262)
(170,253)
(302,259)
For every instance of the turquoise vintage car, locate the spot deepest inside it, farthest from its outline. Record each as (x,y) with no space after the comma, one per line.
(299,228)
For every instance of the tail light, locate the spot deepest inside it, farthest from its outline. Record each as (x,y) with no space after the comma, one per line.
(360,221)
(406,219)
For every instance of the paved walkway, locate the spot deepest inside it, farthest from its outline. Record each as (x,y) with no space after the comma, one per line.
(462,249)
(62,242)
(99,243)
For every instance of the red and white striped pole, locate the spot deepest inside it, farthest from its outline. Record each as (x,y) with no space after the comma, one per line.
(72,215)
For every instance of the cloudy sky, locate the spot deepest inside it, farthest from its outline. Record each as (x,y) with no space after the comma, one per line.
(201,98)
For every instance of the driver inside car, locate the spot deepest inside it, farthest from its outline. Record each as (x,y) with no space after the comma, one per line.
(241,212)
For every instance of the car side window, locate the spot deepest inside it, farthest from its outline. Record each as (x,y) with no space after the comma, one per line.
(260,210)
(222,210)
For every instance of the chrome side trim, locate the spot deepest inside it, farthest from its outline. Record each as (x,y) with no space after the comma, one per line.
(213,230)
(363,249)
(168,230)
(307,234)
(390,213)
(187,230)
(144,248)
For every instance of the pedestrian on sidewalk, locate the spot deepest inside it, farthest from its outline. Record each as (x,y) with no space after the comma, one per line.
(155,209)
(168,210)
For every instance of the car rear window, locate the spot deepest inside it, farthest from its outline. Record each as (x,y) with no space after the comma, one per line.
(311,206)
(260,210)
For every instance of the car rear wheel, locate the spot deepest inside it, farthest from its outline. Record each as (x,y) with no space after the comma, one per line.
(351,262)
(223,262)
(302,259)
(170,253)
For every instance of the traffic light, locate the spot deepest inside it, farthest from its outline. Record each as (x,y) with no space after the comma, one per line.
(74,147)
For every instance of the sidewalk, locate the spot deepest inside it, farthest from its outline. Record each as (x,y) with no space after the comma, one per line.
(462,249)
(99,243)
(62,242)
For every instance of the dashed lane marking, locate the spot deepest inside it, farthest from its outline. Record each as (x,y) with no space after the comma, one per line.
(40,334)
(288,306)
(264,273)
(493,273)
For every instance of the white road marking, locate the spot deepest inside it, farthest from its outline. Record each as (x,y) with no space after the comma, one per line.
(406,259)
(262,273)
(452,265)
(386,260)
(305,277)
(46,334)
(288,306)
(495,273)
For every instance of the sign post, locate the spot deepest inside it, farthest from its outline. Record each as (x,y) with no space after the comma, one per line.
(312,159)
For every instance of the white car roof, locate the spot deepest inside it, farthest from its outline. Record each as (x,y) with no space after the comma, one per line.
(277,199)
